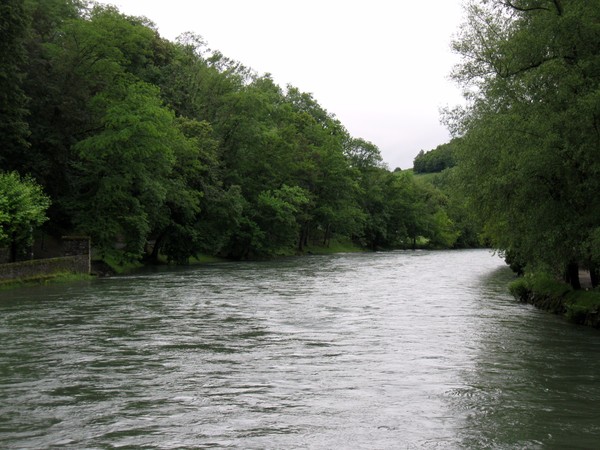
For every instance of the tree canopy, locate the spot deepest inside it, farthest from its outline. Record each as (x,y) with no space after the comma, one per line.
(170,149)
(436,160)
(23,207)
(529,157)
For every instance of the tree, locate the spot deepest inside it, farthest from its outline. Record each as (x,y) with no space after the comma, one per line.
(75,52)
(23,207)
(363,155)
(198,213)
(277,216)
(122,175)
(436,160)
(14,130)
(529,164)
(322,168)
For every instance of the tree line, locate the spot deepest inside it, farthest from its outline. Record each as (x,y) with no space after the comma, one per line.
(170,149)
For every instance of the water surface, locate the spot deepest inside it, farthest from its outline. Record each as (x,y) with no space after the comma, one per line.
(381,350)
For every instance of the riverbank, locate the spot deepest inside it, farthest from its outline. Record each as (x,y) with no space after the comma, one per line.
(543,291)
(113,265)
(54,278)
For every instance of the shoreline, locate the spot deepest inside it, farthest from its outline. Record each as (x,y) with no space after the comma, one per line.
(581,307)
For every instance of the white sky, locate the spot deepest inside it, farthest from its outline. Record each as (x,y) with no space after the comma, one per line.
(380,66)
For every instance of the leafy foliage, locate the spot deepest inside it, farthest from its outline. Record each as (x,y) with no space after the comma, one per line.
(161,149)
(23,207)
(529,158)
(436,160)
(14,130)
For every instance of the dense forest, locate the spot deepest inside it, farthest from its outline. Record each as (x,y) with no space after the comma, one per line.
(436,160)
(166,150)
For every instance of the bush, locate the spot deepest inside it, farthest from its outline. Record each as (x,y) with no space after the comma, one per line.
(541,290)
(583,307)
(520,290)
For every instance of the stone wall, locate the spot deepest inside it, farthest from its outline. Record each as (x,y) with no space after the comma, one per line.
(37,268)
(76,259)
(78,247)
(4,255)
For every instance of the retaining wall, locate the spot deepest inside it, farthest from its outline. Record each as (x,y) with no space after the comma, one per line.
(42,267)
(76,259)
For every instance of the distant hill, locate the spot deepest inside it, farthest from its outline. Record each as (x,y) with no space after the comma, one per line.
(436,160)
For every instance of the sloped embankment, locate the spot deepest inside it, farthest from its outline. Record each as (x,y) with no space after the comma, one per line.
(545,292)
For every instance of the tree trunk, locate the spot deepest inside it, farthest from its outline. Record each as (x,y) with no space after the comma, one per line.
(303,240)
(13,249)
(572,275)
(327,235)
(594,275)
(307,234)
(156,249)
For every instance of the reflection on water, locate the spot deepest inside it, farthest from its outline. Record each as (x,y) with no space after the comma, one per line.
(535,382)
(385,350)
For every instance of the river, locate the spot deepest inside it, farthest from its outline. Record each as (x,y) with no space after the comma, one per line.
(349,351)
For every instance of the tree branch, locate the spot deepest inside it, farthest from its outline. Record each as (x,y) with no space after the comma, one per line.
(510,4)
(520,70)
(559,7)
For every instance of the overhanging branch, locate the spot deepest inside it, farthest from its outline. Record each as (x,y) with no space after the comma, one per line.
(520,8)
(557,5)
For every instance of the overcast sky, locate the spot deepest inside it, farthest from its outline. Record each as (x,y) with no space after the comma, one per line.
(380,66)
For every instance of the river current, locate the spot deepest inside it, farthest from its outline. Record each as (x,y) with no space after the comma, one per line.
(398,350)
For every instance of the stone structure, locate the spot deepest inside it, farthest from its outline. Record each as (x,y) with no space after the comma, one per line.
(79,247)
(76,259)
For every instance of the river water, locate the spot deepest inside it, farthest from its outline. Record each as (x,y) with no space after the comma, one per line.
(374,351)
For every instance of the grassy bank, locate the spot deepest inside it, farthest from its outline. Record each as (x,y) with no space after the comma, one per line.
(545,292)
(55,278)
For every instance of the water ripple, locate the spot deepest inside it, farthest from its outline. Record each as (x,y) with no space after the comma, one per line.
(385,350)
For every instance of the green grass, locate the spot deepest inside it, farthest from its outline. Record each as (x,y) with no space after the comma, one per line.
(55,278)
(429,177)
(582,305)
(119,265)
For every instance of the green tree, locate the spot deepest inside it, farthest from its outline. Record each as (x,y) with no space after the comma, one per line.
(436,160)
(75,53)
(277,216)
(363,155)
(322,168)
(529,164)
(198,214)
(122,175)
(197,82)
(23,207)
(14,130)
